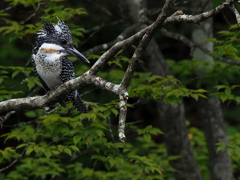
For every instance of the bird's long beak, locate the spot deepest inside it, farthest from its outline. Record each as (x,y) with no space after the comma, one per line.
(77,54)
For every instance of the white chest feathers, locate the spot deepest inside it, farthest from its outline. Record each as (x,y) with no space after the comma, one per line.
(48,64)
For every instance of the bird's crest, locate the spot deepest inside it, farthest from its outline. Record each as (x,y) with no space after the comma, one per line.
(53,32)
(49,28)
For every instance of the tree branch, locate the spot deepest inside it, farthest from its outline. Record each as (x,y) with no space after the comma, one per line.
(89,78)
(125,34)
(235,11)
(192,44)
(145,41)
(176,17)
(200,17)
(42,101)
(122,116)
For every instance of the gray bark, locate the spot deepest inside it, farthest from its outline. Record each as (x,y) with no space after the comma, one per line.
(171,118)
(213,122)
(172,123)
(210,109)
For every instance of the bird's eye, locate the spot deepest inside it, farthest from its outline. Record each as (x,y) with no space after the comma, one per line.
(63,41)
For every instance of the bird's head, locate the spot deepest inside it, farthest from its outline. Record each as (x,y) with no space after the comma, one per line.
(58,34)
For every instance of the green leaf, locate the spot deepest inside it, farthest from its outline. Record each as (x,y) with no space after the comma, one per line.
(230,152)
(221,146)
(155,131)
(29,150)
(31,114)
(235,86)
(47,154)
(67,150)
(114,111)
(74,148)
(98,157)
(195,96)
(201,90)
(112,162)
(15,73)
(220,87)
(147,137)
(223,97)
(107,165)
(21,145)
(237,151)
(148,128)
(76,139)
(202,95)
(227,91)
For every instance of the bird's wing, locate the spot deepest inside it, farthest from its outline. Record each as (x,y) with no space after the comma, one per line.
(67,74)
(67,71)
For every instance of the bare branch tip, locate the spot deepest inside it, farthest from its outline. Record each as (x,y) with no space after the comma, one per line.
(177,13)
(122,137)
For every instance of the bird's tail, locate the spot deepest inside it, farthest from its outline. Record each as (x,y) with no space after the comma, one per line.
(77,102)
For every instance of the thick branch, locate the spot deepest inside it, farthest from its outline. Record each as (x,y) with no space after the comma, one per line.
(43,101)
(145,41)
(130,70)
(179,17)
(88,78)
(114,50)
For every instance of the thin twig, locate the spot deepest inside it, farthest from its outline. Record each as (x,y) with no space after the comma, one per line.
(14,161)
(192,45)
(145,41)
(6,9)
(235,11)
(34,13)
(125,34)
(120,89)
(122,116)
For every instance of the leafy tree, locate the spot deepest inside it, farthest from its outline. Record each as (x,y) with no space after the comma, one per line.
(165,140)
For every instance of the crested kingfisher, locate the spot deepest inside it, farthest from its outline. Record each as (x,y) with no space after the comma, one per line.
(53,44)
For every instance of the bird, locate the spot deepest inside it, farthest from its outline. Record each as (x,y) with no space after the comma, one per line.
(50,62)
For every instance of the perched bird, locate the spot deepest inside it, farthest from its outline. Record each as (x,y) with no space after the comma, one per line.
(54,43)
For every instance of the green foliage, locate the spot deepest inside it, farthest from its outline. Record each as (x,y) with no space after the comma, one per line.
(61,144)
(233,148)
(198,143)
(19,29)
(165,88)
(228,44)
(119,60)
(9,74)
(220,80)
(49,12)
(68,145)
(36,167)
(227,93)
(148,131)
(215,74)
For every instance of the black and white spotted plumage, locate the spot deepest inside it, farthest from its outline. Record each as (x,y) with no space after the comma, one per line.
(50,62)
(67,74)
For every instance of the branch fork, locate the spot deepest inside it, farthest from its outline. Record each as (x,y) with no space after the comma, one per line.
(145,35)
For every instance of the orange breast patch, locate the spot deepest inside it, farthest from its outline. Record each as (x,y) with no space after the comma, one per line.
(49,50)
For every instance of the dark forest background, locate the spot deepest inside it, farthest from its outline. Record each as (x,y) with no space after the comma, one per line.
(183,113)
